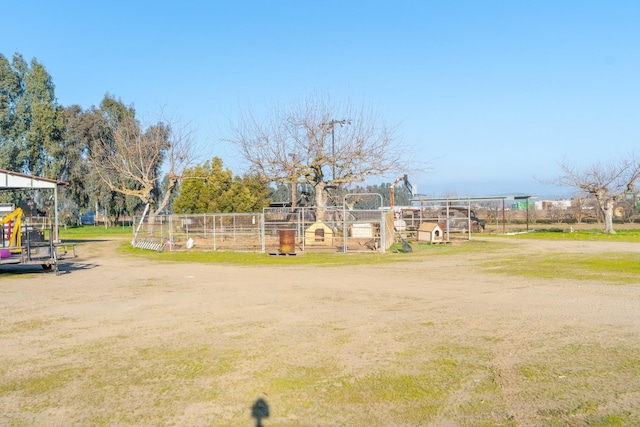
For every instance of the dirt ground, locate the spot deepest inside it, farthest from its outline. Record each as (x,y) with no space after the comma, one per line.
(119,340)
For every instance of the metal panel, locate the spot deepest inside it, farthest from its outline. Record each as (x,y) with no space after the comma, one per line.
(15,180)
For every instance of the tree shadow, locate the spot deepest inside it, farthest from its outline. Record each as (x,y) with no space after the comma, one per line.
(260,410)
(79,241)
(70,267)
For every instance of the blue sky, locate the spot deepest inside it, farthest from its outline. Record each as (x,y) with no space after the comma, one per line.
(490,93)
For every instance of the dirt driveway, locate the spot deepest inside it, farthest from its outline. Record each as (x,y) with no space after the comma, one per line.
(119,340)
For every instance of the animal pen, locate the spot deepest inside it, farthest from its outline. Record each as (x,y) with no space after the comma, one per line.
(340,230)
(286,230)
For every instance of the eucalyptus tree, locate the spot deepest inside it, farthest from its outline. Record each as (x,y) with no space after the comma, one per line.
(30,124)
(11,152)
(85,188)
(30,118)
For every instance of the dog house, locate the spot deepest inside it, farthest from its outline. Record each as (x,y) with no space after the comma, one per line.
(318,234)
(365,230)
(430,232)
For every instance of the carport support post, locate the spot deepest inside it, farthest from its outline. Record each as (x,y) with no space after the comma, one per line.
(55,215)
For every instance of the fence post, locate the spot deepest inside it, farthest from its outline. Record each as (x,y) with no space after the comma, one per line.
(344,227)
(263,232)
(214,233)
(302,227)
(383,230)
(170,232)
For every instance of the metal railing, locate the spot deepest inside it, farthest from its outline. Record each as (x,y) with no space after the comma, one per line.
(338,230)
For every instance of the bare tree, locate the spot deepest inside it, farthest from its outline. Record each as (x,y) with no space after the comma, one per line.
(576,211)
(129,158)
(583,208)
(607,182)
(318,143)
(556,213)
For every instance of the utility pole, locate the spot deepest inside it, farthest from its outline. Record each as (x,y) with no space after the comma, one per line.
(294,180)
(333,124)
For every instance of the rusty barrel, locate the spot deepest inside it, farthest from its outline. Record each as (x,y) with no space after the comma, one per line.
(287,241)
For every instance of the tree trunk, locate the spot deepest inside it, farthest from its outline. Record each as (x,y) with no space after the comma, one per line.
(608,216)
(151,216)
(173,181)
(321,200)
(294,196)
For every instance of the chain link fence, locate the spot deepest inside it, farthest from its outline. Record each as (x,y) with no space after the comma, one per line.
(340,230)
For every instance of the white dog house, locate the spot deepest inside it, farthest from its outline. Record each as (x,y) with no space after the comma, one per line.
(430,232)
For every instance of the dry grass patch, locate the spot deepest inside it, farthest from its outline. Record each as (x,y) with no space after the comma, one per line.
(610,267)
(584,384)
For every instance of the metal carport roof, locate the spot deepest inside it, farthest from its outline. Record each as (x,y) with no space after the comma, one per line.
(10,180)
(19,181)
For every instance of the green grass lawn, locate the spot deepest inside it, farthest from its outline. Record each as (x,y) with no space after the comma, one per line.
(394,254)
(94,233)
(609,267)
(613,267)
(623,235)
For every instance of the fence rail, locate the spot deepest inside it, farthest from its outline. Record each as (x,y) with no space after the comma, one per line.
(339,230)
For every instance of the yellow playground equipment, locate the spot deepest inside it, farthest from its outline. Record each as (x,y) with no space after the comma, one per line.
(25,245)
(12,224)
